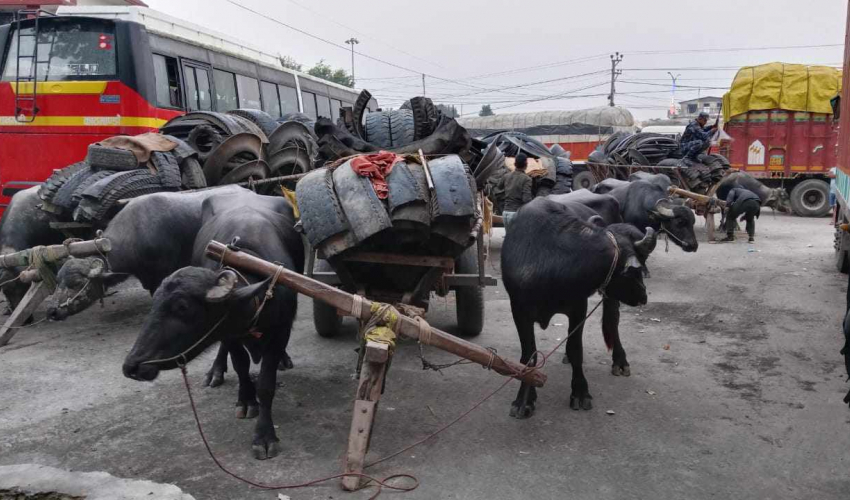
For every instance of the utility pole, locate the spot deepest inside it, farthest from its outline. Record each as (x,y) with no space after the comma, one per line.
(423,84)
(616,58)
(673,93)
(352,41)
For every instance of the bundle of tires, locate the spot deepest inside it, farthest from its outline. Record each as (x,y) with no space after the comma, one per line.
(246,145)
(89,191)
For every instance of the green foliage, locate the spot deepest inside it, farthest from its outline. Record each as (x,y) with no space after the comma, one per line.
(324,71)
(486,111)
(290,62)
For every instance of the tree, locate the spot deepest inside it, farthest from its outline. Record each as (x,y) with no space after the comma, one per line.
(486,111)
(289,62)
(448,110)
(324,71)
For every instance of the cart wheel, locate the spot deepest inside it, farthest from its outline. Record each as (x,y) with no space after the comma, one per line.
(325,318)
(469,299)
(584,180)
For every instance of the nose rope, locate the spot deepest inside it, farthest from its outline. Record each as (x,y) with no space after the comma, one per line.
(181,358)
(668,233)
(70,301)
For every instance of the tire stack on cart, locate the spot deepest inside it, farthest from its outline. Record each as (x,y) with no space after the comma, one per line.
(212,149)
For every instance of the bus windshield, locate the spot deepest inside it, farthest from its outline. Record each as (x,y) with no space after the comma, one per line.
(68,49)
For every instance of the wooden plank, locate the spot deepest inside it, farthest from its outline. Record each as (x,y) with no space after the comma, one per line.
(33,298)
(403,260)
(343,301)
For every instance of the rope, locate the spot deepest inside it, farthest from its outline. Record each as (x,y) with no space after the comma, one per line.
(39,258)
(357,306)
(613,263)
(29,325)
(181,358)
(380,483)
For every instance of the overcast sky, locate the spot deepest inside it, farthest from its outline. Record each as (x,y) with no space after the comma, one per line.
(555,54)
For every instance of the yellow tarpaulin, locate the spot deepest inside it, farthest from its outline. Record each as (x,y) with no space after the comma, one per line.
(794,87)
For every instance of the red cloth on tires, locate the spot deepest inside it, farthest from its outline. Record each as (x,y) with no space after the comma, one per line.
(376,167)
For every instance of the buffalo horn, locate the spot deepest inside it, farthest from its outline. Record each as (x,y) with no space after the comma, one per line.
(662,210)
(647,244)
(633,263)
(224,283)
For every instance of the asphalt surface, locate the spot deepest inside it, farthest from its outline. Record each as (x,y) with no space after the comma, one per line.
(735,392)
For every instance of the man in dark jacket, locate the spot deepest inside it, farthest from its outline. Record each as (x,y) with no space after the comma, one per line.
(697,137)
(741,202)
(517,185)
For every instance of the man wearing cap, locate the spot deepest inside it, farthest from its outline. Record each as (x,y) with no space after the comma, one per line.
(517,186)
(697,137)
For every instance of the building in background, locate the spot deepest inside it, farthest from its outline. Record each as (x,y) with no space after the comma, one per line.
(690,109)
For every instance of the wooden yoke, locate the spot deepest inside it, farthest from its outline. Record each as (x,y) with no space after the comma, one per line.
(40,288)
(343,301)
(696,196)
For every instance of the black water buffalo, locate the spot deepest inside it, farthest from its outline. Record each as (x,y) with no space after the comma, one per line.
(775,198)
(661,180)
(199,305)
(554,258)
(646,204)
(607,185)
(24,225)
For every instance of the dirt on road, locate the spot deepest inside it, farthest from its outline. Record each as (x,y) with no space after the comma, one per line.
(735,392)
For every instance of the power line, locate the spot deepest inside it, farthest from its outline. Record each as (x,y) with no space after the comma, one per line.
(734,49)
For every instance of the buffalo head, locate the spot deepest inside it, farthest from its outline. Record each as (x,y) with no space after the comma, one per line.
(678,221)
(192,306)
(634,248)
(80,283)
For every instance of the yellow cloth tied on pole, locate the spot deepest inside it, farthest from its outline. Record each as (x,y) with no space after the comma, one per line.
(792,87)
(290,195)
(381,326)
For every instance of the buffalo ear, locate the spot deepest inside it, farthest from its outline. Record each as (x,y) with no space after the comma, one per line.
(662,211)
(224,284)
(632,263)
(96,270)
(597,221)
(249,292)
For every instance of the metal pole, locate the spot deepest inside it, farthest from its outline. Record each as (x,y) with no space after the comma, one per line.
(423,84)
(352,41)
(673,93)
(615,60)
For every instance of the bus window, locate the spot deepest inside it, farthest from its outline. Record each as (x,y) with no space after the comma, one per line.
(335,105)
(67,50)
(249,92)
(309,99)
(271,103)
(324,106)
(288,99)
(197,88)
(167,82)
(225,91)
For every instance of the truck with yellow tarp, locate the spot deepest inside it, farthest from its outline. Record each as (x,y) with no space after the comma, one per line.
(780,120)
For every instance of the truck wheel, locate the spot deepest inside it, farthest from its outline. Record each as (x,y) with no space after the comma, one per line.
(325,318)
(810,198)
(583,180)
(469,299)
(842,260)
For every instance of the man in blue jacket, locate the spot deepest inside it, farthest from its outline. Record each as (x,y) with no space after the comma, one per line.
(744,203)
(697,137)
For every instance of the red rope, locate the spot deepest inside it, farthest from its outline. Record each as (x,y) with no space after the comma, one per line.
(378,482)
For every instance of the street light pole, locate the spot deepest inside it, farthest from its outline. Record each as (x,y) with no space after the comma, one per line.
(673,93)
(352,41)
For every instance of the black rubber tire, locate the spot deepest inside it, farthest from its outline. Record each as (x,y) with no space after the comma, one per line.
(204,139)
(167,170)
(325,318)
(106,158)
(378,129)
(192,175)
(810,198)
(48,189)
(401,127)
(265,121)
(469,299)
(359,109)
(842,246)
(424,117)
(583,180)
(99,202)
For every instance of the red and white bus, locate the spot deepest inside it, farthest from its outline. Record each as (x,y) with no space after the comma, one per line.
(88,73)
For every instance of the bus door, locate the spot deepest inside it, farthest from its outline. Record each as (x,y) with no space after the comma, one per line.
(197,79)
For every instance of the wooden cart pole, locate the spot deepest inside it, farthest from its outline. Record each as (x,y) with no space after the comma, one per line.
(40,289)
(343,301)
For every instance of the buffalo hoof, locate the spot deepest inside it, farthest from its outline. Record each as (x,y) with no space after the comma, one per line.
(579,403)
(214,378)
(285,363)
(247,411)
(618,371)
(264,449)
(522,411)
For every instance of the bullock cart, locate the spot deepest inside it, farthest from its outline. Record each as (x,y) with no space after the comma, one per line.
(381,323)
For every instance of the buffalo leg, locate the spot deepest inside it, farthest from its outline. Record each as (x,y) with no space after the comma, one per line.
(285,362)
(580,397)
(215,376)
(265,442)
(611,333)
(246,406)
(523,405)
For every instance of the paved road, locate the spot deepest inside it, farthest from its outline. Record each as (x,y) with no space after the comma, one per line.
(735,392)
